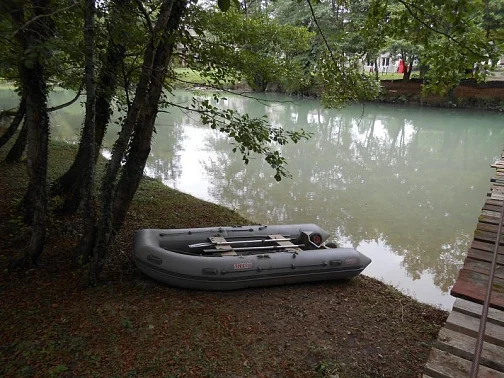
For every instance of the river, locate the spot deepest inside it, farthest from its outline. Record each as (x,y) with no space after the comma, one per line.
(404,185)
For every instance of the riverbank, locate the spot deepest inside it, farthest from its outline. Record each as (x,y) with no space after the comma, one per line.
(132,326)
(467,95)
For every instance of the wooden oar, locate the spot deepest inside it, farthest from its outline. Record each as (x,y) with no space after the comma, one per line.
(254,248)
(201,245)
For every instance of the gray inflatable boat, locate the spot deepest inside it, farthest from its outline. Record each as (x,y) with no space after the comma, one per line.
(229,258)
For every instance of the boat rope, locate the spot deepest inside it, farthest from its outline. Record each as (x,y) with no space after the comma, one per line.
(484,314)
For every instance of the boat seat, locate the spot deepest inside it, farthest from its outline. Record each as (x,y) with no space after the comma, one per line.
(290,247)
(221,243)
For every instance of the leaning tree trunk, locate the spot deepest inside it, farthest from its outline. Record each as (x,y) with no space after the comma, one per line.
(37,124)
(18,118)
(16,151)
(119,149)
(141,141)
(105,89)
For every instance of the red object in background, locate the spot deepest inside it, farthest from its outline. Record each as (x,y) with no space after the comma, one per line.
(400,69)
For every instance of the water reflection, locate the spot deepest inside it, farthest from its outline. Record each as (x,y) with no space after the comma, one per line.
(403,185)
(395,182)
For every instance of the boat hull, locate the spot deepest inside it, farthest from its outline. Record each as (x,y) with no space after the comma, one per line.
(155,255)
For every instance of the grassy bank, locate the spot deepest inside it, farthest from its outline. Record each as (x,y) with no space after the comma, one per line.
(131,326)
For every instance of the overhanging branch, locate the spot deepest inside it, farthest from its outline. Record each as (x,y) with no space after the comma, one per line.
(12,112)
(440,32)
(44,15)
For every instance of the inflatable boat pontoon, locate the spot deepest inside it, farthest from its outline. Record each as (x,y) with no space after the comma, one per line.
(228,258)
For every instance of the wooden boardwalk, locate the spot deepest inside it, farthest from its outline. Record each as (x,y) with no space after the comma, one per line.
(453,352)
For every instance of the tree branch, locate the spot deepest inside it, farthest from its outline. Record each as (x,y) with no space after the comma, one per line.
(242,94)
(320,31)
(453,39)
(12,112)
(146,15)
(44,15)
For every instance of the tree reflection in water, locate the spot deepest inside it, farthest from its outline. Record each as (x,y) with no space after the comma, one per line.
(406,180)
(411,179)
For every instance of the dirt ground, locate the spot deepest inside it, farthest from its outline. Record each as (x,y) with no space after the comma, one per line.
(131,326)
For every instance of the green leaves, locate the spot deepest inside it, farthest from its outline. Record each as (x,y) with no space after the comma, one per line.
(231,46)
(448,37)
(252,136)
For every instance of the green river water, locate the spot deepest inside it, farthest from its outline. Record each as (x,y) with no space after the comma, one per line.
(403,185)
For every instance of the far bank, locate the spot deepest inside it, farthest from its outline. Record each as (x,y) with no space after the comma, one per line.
(469,94)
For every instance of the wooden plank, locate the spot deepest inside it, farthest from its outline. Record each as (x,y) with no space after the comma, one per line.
(472,286)
(489,247)
(497,188)
(468,325)
(490,213)
(487,256)
(489,219)
(496,196)
(493,202)
(222,245)
(463,346)
(445,365)
(487,227)
(285,243)
(492,207)
(483,267)
(487,237)
(474,309)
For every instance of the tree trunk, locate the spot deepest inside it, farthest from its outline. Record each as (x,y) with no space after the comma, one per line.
(15,122)
(376,69)
(105,90)
(141,93)
(16,152)
(37,121)
(86,179)
(141,142)
(407,72)
(81,188)
(37,124)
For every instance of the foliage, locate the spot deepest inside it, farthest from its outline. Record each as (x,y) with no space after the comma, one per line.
(229,46)
(253,135)
(449,38)
(343,81)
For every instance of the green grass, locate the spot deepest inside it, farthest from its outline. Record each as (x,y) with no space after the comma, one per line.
(391,76)
(189,75)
